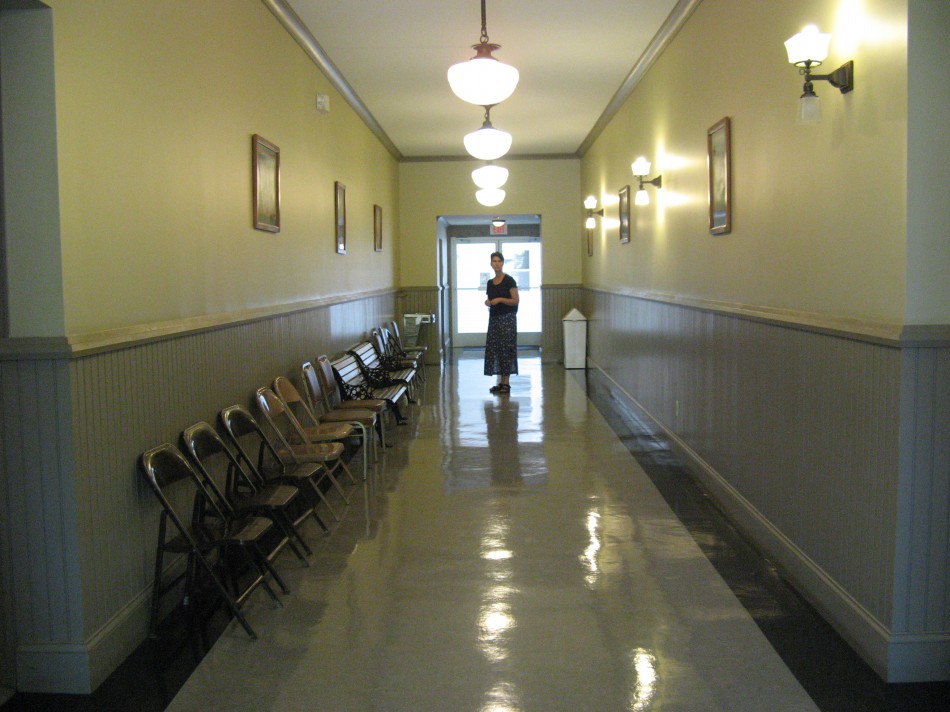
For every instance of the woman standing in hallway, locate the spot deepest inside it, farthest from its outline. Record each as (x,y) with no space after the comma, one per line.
(501,343)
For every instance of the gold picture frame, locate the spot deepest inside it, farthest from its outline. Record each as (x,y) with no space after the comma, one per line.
(719,150)
(377,228)
(339,216)
(625,215)
(265,171)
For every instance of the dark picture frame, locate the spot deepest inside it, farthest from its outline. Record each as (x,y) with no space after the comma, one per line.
(377,228)
(339,217)
(590,242)
(625,215)
(719,157)
(265,171)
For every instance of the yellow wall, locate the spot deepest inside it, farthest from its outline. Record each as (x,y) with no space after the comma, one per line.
(549,188)
(156,105)
(819,212)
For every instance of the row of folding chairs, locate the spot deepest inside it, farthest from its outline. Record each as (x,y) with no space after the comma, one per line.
(252,486)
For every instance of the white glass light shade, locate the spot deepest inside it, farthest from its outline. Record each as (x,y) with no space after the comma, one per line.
(809,109)
(590,202)
(808,45)
(640,167)
(490,176)
(590,223)
(489,197)
(483,80)
(641,198)
(487,143)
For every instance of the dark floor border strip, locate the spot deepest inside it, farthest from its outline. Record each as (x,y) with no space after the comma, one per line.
(837,679)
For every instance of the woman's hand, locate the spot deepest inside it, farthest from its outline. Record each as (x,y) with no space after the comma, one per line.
(488,302)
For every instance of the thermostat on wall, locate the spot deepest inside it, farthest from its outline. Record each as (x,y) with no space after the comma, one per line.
(323,103)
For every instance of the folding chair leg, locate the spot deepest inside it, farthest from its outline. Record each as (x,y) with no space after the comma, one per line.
(323,498)
(333,480)
(231,603)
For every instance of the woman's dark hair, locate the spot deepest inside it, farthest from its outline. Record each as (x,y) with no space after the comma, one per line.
(498,255)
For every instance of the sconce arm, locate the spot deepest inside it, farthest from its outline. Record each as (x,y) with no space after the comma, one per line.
(842,78)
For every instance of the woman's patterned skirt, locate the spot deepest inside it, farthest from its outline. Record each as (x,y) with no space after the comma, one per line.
(501,345)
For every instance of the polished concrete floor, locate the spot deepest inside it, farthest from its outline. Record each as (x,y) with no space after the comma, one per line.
(537,551)
(513,556)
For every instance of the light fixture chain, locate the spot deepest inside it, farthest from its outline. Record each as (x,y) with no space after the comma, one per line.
(484,37)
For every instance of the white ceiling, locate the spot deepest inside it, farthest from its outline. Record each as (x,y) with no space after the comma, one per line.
(573,56)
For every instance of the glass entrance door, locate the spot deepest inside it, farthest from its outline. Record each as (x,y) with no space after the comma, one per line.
(471,267)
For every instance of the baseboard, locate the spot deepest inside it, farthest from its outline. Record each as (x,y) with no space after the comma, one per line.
(894,657)
(80,668)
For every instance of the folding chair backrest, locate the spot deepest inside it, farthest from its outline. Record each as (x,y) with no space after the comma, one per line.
(316,398)
(328,384)
(247,435)
(204,446)
(292,398)
(164,466)
(285,427)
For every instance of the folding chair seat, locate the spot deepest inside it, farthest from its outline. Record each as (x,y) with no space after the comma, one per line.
(247,436)
(243,491)
(202,540)
(290,445)
(311,428)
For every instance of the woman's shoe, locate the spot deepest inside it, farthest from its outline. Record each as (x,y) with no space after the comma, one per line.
(495,388)
(504,388)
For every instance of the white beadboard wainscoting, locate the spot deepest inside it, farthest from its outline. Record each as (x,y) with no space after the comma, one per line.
(828,442)
(78,526)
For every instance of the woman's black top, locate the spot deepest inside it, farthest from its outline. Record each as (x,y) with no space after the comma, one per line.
(503,290)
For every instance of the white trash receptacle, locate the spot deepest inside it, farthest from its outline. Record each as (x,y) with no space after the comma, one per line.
(575,339)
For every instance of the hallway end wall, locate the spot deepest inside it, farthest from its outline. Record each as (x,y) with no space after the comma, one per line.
(549,188)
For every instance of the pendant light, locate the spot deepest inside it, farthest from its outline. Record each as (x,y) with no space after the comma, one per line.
(487,143)
(490,197)
(490,176)
(483,80)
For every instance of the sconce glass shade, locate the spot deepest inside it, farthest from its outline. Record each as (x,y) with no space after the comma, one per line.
(483,80)
(809,45)
(488,143)
(490,197)
(490,176)
(641,167)
(641,197)
(809,109)
(590,202)
(590,223)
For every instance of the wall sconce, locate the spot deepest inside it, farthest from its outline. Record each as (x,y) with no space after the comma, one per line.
(807,49)
(591,204)
(641,169)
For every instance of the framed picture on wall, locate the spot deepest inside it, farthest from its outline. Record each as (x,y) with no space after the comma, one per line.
(625,215)
(377,228)
(339,214)
(265,170)
(719,149)
(590,242)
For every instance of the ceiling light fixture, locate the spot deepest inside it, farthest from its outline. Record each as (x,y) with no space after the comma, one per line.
(490,197)
(807,49)
(483,80)
(487,143)
(490,176)
(641,169)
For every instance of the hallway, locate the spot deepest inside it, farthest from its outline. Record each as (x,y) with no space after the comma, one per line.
(512,556)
